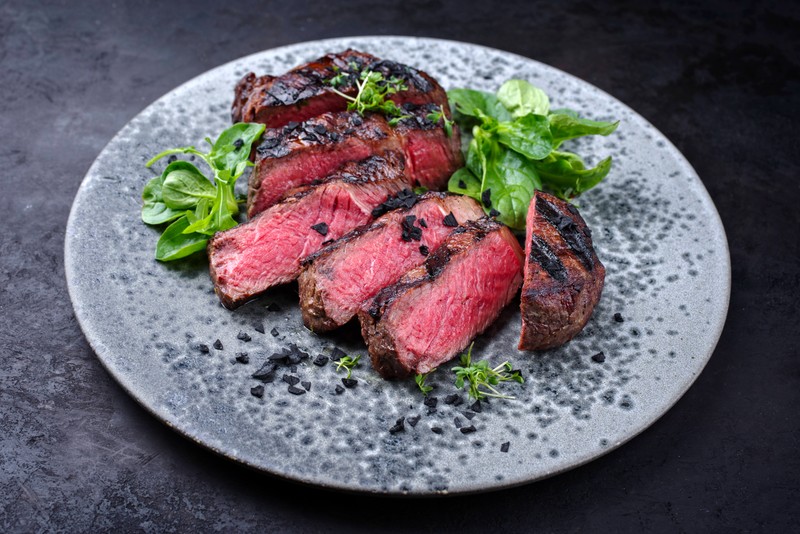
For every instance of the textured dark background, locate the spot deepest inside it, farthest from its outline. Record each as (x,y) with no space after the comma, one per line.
(721,80)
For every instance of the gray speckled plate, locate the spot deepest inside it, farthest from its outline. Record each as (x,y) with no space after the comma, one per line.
(655,229)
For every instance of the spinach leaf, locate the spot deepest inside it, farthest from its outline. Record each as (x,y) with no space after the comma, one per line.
(154,210)
(521,98)
(184,186)
(464,182)
(529,135)
(469,103)
(564,126)
(233,145)
(566,174)
(174,244)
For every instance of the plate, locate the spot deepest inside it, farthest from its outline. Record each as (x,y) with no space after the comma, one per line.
(153,325)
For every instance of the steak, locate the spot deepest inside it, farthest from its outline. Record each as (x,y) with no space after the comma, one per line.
(306,91)
(266,251)
(338,279)
(300,153)
(436,309)
(563,276)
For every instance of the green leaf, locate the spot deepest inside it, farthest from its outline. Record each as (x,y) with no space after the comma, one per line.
(234,144)
(521,98)
(470,103)
(565,173)
(529,135)
(566,126)
(154,211)
(174,244)
(184,185)
(512,180)
(471,183)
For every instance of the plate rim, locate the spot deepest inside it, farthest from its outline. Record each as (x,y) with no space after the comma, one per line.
(70,274)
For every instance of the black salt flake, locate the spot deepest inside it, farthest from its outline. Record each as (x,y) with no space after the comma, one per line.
(413,420)
(320,360)
(431,402)
(599,357)
(259,327)
(349,382)
(424,250)
(504,447)
(494,213)
(337,354)
(218,344)
(306,385)
(321,228)
(274,332)
(399,426)
(476,407)
(291,379)
(468,429)
(294,390)
(450,220)
(202,347)
(486,198)
(266,373)
(244,336)
(338,389)
(257,391)
(242,357)
(618,318)
(436,429)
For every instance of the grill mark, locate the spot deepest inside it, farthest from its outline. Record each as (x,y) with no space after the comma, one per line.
(569,230)
(542,254)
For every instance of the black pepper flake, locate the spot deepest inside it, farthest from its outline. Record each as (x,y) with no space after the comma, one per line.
(242,357)
(218,344)
(202,347)
(274,332)
(424,250)
(294,390)
(422,223)
(618,318)
(469,415)
(399,426)
(238,144)
(410,231)
(436,429)
(320,360)
(405,199)
(259,328)
(431,402)
(320,129)
(291,379)
(504,447)
(257,391)
(462,184)
(468,429)
(172,159)
(458,422)
(306,385)
(494,213)
(599,357)
(273,307)
(486,198)
(453,399)
(450,220)
(413,420)
(320,228)
(266,372)
(339,389)
(337,354)
(476,407)
(244,336)
(349,382)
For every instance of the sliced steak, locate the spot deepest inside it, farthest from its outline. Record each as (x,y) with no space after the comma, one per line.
(436,309)
(338,279)
(266,251)
(300,153)
(306,91)
(563,276)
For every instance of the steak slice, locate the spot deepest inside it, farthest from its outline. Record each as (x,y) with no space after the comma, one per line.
(266,251)
(338,279)
(300,153)
(563,276)
(436,309)
(306,91)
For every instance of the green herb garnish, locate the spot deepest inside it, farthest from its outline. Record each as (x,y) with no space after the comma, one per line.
(437,116)
(373,92)
(515,149)
(348,363)
(196,206)
(481,375)
(420,380)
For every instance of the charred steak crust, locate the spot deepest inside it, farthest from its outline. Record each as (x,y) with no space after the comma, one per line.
(381,341)
(563,275)
(306,91)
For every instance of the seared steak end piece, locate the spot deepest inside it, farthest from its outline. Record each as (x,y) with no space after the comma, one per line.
(436,309)
(563,276)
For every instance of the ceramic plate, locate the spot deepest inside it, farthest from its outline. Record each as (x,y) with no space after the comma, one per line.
(153,326)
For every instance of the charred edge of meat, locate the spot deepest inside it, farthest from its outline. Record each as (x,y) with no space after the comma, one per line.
(576,238)
(434,263)
(542,254)
(403,72)
(419,116)
(241,95)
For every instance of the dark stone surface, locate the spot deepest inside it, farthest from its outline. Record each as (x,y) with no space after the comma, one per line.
(721,81)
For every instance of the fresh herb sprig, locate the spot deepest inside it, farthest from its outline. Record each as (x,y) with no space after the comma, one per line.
(420,380)
(196,206)
(440,115)
(481,375)
(372,95)
(348,363)
(515,149)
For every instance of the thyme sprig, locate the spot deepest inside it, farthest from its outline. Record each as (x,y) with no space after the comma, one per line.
(481,375)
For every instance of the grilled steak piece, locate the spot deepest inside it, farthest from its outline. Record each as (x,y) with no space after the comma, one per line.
(563,276)
(435,310)
(301,153)
(338,279)
(266,251)
(306,91)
